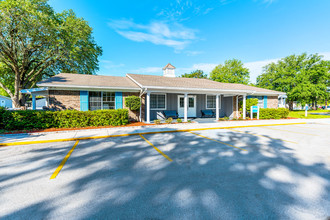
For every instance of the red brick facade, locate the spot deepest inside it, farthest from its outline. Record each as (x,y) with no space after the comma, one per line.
(64,99)
(272,102)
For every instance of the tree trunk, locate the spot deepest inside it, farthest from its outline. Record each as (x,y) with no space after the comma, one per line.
(290,105)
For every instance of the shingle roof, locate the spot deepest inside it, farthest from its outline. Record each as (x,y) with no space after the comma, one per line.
(71,80)
(193,83)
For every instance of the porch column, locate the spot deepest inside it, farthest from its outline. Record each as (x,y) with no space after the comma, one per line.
(217,107)
(244,106)
(236,106)
(185,107)
(33,102)
(148,107)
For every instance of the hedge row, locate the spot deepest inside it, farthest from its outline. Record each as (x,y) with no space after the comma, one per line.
(26,120)
(272,113)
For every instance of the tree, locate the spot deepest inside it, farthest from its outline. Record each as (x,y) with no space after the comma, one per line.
(36,42)
(233,71)
(303,77)
(195,74)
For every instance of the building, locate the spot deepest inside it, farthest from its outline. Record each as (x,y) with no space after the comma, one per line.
(187,96)
(5,102)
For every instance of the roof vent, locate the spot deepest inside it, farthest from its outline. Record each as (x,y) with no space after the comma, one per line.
(168,70)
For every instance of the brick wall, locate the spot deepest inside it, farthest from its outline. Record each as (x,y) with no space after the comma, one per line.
(272,102)
(236,111)
(64,99)
(133,115)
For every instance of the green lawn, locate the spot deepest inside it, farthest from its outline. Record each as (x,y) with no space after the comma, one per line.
(301,114)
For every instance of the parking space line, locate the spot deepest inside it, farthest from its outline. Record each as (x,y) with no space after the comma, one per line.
(159,151)
(59,168)
(276,129)
(258,135)
(216,140)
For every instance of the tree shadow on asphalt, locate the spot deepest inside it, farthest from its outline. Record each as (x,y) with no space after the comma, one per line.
(125,178)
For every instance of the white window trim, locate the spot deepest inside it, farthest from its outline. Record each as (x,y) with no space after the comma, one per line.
(102,99)
(165,101)
(215,100)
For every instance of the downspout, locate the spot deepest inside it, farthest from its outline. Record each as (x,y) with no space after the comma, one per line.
(141,94)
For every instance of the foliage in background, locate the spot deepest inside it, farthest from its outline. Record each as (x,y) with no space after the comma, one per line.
(133,102)
(233,71)
(195,74)
(179,120)
(36,42)
(157,121)
(273,113)
(25,120)
(249,103)
(303,78)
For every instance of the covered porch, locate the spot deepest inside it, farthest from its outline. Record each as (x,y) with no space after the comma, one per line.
(189,105)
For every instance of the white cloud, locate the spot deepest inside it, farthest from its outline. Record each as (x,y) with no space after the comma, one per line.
(108,64)
(172,35)
(256,68)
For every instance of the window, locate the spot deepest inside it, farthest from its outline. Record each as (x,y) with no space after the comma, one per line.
(109,100)
(211,101)
(157,101)
(260,100)
(191,102)
(101,100)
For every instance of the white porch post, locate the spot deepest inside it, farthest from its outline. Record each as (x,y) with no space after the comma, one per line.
(33,102)
(217,107)
(148,107)
(236,106)
(244,106)
(186,107)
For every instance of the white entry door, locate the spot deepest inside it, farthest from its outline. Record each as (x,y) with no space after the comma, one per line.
(191,106)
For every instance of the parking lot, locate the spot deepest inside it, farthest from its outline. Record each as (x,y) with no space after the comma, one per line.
(273,172)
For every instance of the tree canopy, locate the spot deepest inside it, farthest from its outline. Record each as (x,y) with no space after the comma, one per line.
(303,77)
(36,42)
(233,71)
(195,74)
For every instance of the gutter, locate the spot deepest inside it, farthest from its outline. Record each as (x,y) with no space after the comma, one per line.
(87,87)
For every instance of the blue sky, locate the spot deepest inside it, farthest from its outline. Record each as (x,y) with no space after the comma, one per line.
(143,36)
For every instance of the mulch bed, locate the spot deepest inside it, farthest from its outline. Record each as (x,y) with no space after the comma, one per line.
(131,124)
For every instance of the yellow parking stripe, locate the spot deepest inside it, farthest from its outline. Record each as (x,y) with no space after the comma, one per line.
(276,129)
(59,168)
(261,136)
(132,134)
(159,151)
(217,141)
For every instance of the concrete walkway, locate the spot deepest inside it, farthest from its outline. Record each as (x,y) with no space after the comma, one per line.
(41,136)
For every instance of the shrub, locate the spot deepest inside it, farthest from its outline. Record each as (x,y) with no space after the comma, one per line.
(189,121)
(179,120)
(272,113)
(157,121)
(133,102)
(249,103)
(29,119)
(169,120)
(226,118)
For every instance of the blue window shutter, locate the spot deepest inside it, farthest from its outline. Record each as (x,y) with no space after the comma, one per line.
(83,100)
(119,100)
(265,101)
(248,97)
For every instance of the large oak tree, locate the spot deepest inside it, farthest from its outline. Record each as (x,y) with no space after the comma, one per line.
(233,71)
(303,77)
(36,42)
